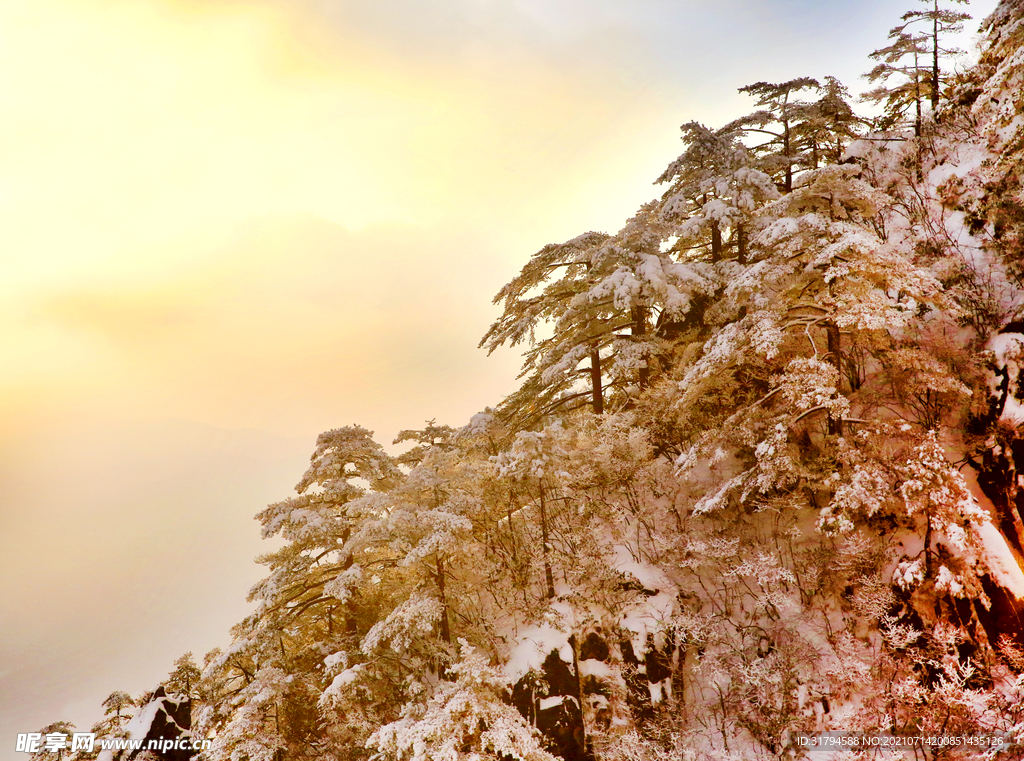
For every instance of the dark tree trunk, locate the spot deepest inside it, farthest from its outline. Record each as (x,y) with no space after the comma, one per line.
(917,96)
(639,331)
(788,155)
(446,633)
(595,381)
(351,626)
(835,355)
(935,55)
(548,576)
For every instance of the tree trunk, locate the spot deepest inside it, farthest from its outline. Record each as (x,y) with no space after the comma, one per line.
(935,56)
(574,643)
(716,241)
(446,634)
(639,331)
(786,153)
(835,354)
(917,96)
(548,576)
(512,533)
(741,244)
(595,381)
(928,544)
(351,626)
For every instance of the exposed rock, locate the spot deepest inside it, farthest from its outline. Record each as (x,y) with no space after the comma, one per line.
(163,720)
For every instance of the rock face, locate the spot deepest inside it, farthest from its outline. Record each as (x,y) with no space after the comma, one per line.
(1003,452)
(551,701)
(1000,469)
(171,721)
(563,699)
(165,720)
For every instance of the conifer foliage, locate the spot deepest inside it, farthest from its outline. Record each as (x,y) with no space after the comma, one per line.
(915,56)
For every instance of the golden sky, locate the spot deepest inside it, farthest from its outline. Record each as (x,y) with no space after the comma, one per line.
(199,199)
(227,225)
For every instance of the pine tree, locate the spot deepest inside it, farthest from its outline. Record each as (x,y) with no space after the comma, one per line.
(912,44)
(563,272)
(58,730)
(829,125)
(116,706)
(319,522)
(432,436)
(780,153)
(897,99)
(713,194)
(264,690)
(184,678)
(938,22)
(609,284)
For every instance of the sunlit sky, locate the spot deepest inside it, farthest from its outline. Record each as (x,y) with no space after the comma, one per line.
(228,225)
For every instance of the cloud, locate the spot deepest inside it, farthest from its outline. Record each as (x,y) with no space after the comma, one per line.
(145,134)
(223,212)
(133,317)
(130,544)
(293,325)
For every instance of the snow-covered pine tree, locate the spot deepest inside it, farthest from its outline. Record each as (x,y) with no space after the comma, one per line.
(184,679)
(913,56)
(829,125)
(650,288)
(903,57)
(117,712)
(778,116)
(433,435)
(713,192)
(937,23)
(602,311)
(57,752)
(263,691)
(544,292)
(118,707)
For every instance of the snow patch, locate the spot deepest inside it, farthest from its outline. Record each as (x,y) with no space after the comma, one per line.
(1000,559)
(138,727)
(650,616)
(1007,347)
(596,668)
(535,643)
(968,158)
(346,677)
(546,703)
